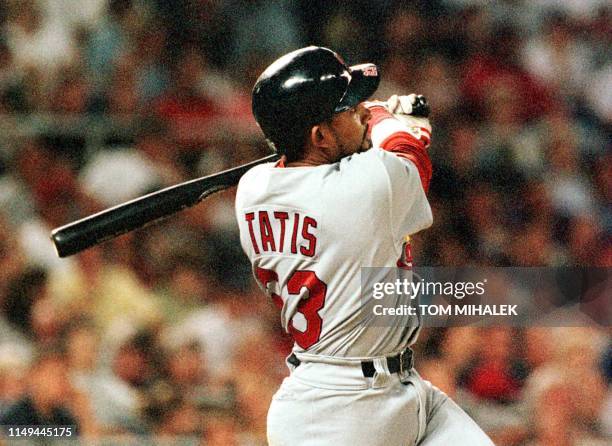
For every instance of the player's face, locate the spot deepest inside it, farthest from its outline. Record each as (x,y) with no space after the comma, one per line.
(350,129)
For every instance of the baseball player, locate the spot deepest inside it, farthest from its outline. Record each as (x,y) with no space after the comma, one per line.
(350,186)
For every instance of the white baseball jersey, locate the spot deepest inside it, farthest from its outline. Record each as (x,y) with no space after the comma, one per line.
(308,231)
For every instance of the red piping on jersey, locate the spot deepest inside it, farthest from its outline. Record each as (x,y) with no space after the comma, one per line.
(280,163)
(404,145)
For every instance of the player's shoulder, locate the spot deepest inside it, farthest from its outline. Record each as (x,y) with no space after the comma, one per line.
(253,180)
(380,161)
(254,173)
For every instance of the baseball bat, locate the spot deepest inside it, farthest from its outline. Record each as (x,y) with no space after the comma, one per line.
(109,223)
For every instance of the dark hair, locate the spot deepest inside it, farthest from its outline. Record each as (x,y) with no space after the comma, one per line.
(290,144)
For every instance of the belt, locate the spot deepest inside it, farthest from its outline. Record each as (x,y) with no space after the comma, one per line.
(396,364)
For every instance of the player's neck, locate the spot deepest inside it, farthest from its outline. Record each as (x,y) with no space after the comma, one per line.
(313,156)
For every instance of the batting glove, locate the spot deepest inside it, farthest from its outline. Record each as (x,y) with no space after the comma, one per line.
(412,104)
(412,110)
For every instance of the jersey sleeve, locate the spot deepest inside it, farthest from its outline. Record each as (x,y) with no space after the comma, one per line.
(404,156)
(410,210)
(408,142)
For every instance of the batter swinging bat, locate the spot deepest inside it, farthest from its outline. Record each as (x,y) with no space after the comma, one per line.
(89,231)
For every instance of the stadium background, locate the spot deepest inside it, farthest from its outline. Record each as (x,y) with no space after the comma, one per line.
(163,332)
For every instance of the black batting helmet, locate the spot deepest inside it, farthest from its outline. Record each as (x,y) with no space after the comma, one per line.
(304,88)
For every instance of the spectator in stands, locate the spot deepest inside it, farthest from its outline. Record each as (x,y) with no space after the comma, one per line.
(109,40)
(35,42)
(71,93)
(109,291)
(558,57)
(221,429)
(498,65)
(48,395)
(180,417)
(186,369)
(492,377)
(186,107)
(14,365)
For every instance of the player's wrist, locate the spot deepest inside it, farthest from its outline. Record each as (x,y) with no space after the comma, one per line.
(378,113)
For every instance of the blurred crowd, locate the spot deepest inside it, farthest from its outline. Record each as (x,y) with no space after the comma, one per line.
(163,332)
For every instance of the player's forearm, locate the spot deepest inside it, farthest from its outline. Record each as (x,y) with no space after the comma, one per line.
(415,153)
(389,134)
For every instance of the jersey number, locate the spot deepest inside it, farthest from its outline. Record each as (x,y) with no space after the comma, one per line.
(309,307)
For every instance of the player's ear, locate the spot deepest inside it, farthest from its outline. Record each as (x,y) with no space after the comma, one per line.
(320,136)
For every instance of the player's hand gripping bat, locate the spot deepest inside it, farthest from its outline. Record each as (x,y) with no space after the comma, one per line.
(89,231)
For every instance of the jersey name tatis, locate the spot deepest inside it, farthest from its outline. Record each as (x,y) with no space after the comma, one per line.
(282,232)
